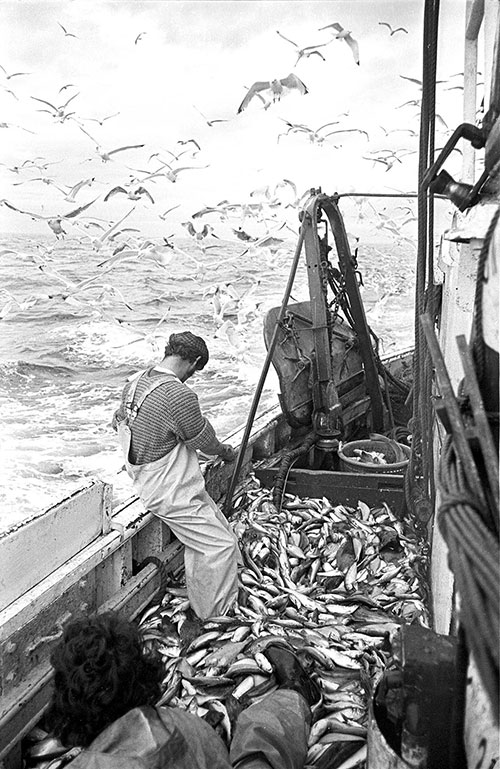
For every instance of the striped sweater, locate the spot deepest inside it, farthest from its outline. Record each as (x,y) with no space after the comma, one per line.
(171,413)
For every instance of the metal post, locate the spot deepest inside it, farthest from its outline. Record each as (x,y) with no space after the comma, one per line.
(262,379)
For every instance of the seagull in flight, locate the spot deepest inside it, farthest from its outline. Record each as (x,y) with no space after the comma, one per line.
(56,112)
(139,37)
(172,173)
(209,123)
(105,156)
(309,50)
(22,304)
(98,243)
(277,87)
(344,34)
(242,235)
(146,250)
(73,287)
(296,202)
(419,82)
(398,130)
(73,192)
(391,30)
(269,240)
(411,103)
(219,209)
(265,102)
(173,155)
(28,165)
(131,194)
(166,213)
(148,338)
(183,142)
(66,33)
(13,125)
(9,90)
(313,134)
(54,221)
(201,234)
(349,130)
(101,120)
(45,180)
(13,74)
(387,161)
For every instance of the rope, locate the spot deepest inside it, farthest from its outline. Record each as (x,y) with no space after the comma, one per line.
(474,557)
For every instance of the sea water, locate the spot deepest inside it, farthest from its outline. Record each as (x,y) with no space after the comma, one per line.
(64,358)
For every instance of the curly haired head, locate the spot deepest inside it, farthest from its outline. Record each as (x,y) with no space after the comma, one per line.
(101,672)
(188,347)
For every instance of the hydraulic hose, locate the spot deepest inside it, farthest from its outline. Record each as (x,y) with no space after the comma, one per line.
(265,368)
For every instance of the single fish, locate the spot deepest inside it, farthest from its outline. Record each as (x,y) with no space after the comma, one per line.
(243,688)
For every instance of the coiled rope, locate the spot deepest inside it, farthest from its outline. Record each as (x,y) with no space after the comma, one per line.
(474,558)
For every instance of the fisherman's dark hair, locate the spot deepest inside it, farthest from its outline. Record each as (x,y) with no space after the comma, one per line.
(188,347)
(101,672)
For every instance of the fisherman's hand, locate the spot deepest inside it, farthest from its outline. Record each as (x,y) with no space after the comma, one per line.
(227,454)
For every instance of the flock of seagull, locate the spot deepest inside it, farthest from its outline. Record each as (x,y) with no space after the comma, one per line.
(118,243)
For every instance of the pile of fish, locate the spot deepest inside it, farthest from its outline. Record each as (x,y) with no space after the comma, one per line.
(333,583)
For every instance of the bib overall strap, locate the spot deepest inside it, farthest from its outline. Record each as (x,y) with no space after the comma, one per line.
(132,407)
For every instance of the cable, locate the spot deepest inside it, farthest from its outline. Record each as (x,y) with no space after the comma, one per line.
(263,375)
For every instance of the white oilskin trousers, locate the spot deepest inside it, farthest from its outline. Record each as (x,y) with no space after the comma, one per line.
(173,488)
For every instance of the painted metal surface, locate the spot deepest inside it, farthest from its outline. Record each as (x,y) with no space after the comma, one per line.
(37,547)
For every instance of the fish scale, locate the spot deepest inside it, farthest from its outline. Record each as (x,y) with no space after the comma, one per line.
(336,633)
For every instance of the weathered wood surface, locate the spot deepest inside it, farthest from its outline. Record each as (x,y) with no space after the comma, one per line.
(23,706)
(36,548)
(340,487)
(127,523)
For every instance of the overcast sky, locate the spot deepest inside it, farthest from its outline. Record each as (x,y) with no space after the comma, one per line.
(159,64)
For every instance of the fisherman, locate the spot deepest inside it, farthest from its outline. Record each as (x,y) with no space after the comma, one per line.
(103,701)
(160,428)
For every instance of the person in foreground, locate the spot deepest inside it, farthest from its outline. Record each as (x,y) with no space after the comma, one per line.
(103,701)
(160,427)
